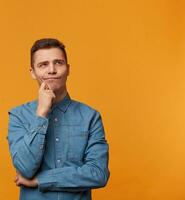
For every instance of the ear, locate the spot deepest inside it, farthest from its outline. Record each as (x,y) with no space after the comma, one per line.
(32,72)
(68,69)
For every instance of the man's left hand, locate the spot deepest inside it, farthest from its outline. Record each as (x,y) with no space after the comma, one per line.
(21,181)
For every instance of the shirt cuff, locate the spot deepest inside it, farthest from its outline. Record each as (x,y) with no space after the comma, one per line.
(45,180)
(40,125)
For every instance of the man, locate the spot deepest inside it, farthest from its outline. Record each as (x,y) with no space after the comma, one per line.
(57,144)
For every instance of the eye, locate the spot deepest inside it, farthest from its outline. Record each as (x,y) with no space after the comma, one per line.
(59,62)
(42,65)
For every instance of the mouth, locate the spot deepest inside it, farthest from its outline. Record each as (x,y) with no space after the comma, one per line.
(51,78)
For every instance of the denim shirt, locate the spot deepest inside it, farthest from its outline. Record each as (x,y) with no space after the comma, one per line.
(66,151)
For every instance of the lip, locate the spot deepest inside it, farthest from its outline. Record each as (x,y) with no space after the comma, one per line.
(51,78)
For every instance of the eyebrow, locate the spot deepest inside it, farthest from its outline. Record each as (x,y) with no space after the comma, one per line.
(42,62)
(46,61)
(59,60)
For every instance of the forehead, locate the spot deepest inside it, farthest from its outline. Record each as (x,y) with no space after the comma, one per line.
(48,54)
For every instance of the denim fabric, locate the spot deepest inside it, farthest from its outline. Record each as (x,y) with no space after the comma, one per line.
(66,151)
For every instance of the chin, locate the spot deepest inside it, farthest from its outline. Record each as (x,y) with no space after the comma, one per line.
(56,88)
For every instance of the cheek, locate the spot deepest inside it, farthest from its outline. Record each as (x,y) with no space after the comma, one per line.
(40,74)
(63,72)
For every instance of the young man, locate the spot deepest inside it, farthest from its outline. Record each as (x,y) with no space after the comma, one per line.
(57,144)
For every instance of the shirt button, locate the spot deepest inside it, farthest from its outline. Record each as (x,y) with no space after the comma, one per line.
(56,120)
(57,139)
(58,161)
(41,147)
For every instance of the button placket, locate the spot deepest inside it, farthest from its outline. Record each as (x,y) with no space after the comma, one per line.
(57,151)
(57,139)
(55,119)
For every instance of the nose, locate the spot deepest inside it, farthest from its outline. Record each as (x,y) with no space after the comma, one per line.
(52,69)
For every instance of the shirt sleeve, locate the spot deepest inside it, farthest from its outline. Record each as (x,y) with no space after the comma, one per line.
(26,143)
(94,173)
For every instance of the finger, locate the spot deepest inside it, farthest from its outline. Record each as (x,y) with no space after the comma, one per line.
(50,92)
(42,86)
(16,178)
(47,87)
(17,183)
(53,96)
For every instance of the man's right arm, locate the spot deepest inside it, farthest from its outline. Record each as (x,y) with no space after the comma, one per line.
(26,144)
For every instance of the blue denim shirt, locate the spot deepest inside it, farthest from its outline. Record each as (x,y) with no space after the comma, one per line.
(66,151)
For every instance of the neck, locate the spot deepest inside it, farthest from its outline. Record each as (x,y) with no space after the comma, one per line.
(60,95)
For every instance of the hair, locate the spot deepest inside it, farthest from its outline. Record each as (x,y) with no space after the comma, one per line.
(47,43)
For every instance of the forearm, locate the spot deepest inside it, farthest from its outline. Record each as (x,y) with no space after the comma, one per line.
(93,173)
(72,178)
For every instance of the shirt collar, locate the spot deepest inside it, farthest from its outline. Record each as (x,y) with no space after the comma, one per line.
(63,104)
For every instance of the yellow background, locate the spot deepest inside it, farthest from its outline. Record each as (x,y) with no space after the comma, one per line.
(128,61)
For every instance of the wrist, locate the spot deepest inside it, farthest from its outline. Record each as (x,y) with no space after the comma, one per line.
(35,182)
(41,113)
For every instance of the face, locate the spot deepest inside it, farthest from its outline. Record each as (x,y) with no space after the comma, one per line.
(50,66)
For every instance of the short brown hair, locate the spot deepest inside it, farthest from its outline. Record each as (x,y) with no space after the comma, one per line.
(47,43)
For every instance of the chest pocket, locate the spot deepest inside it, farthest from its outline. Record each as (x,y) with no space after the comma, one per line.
(77,142)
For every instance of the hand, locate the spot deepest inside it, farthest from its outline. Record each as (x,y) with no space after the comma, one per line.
(45,100)
(21,181)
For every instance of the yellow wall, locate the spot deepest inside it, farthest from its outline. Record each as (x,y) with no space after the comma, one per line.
(128,61)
